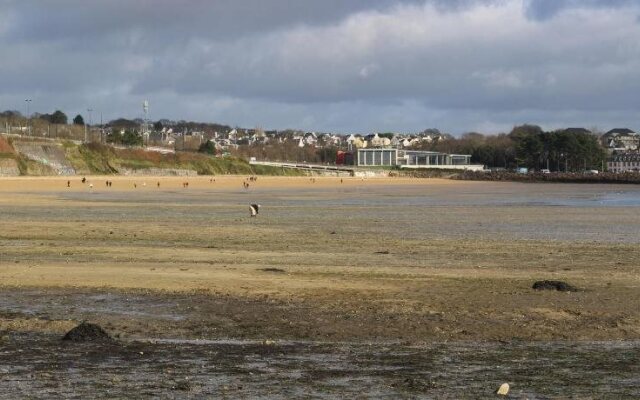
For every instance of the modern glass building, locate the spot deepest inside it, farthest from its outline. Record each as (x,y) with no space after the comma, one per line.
(411,159)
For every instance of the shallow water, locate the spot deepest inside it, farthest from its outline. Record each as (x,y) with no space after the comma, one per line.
(485,194)
(484,211)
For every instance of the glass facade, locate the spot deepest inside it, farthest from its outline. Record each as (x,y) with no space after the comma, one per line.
(391,157)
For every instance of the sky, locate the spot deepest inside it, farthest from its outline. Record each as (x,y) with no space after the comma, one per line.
(349,66)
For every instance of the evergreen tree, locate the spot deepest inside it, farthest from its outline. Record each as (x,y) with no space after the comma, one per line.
(58,117)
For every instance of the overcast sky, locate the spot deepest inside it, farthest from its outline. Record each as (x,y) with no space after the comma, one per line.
(328,65)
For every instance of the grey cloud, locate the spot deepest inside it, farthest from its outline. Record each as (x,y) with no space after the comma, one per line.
(458,72)
(219,19)
(346,65)
(543,9)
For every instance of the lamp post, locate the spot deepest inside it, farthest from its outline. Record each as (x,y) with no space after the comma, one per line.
(86,137)
(28,101)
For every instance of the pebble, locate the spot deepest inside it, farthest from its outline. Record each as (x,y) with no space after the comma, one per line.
(503,390)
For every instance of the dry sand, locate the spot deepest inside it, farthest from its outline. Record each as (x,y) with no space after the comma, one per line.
(357,260)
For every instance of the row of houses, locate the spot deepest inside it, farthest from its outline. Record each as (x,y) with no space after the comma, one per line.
(376,149)
(623,148)
(187,140)
(624,162)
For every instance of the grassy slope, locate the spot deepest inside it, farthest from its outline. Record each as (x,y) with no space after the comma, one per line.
(99,159)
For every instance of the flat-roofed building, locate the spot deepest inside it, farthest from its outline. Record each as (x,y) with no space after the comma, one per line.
(432,158)
(388,157)
(377,157)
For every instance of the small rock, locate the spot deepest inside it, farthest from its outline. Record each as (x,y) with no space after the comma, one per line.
(276,270)
(560,286)
(503,390)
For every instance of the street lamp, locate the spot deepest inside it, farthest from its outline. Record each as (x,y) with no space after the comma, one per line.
(28,101)
(86,138)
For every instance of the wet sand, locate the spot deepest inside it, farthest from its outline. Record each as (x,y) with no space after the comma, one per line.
(400,263)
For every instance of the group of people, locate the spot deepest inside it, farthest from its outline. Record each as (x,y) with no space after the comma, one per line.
(245,183)
(84,180)
(185,184)
(135,184)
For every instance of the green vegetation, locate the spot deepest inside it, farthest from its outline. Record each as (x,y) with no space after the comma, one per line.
(130,137)
(95,158)
(90,159)
(566,150)
(208,147)
(58,117)
(99,159)
(30,167)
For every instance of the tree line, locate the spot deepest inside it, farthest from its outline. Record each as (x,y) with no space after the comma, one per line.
(57,117)
(567,150)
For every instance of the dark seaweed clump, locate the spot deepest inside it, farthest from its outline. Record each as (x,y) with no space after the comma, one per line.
(560,286)
(87,332)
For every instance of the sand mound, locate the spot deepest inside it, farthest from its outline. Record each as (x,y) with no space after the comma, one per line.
(86,332)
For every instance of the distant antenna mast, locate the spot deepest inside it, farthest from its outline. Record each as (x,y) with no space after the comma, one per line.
(145,121)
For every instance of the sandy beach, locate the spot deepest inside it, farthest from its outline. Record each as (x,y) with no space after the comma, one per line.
(434,264)
(379,260)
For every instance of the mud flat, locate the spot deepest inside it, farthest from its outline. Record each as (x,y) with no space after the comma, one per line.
(425,282)
(40,366)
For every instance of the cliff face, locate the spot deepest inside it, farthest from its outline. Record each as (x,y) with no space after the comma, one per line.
(8,163)
(50,154)
(9,167)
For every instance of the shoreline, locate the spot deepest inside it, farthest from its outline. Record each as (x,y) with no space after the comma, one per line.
(628,178)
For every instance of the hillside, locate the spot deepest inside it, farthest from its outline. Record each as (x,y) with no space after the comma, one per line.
(20,156)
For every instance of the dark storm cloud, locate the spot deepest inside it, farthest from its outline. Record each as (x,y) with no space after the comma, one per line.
(335,64)
(218,19)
